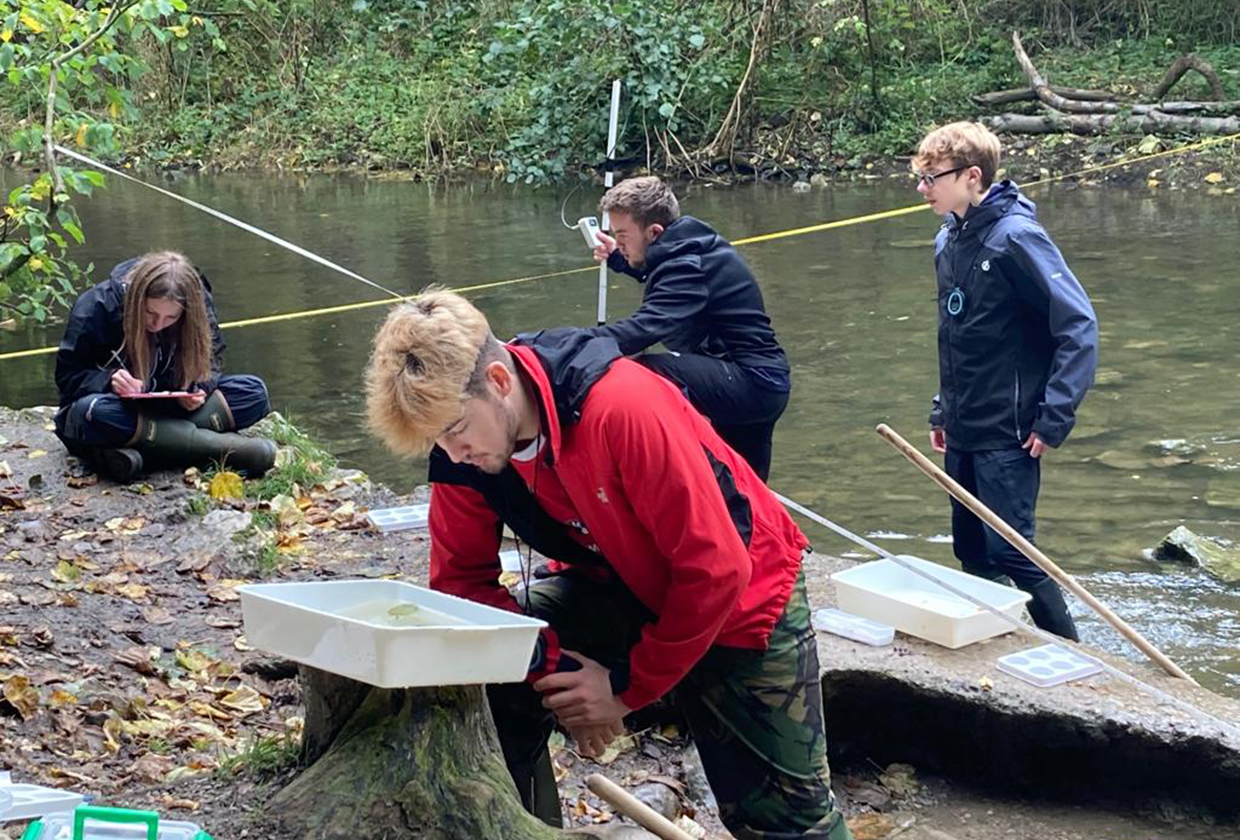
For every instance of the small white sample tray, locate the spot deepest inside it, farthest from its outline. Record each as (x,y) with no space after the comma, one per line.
(1048,665)
(400,518)
(389,633)
(854,627)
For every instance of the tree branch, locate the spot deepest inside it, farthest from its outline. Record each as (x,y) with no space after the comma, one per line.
(49,117)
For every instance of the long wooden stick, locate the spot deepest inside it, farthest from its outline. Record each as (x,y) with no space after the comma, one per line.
(939,477)
(632,807)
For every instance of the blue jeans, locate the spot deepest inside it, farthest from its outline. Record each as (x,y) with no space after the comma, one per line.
(107,421)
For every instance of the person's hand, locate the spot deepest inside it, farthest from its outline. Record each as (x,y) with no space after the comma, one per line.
(582,698)
(1035,445)
(592,741)
(194,400)
(124,383)
(603,251)
(938,440)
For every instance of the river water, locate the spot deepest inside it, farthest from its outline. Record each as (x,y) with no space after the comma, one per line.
(1156,445)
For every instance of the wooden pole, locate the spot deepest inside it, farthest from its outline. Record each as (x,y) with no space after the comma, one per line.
(1027,548)
(636,810)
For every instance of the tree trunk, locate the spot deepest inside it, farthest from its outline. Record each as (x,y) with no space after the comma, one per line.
(401,764)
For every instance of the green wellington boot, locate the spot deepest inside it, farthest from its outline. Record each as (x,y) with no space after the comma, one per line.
(214,414)
(181,443)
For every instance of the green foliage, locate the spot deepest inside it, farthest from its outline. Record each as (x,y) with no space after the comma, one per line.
(83,60)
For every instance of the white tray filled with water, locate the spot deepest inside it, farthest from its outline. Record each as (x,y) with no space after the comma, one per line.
(389,633)
(885,591)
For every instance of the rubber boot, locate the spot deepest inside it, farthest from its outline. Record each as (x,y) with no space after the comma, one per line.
(181,443)
(1048,610)
(214,414)
(121,465)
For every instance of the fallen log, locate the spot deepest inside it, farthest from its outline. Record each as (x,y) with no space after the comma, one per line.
(1025,94)
(1181,66)
(1153,122)
(1048,96)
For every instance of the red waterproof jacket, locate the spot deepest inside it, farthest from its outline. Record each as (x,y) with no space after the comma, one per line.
(680,518)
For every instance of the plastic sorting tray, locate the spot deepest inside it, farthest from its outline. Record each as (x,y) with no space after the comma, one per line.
(349,628)
(853,627)
(400,518)
(1048,665)
(91,823)
(887,592)
(28,802)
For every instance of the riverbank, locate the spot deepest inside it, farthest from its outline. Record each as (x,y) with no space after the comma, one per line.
(127,676)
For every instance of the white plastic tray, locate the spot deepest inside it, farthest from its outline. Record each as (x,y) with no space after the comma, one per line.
(400,518)
(28,802)
(854,627)
(332,626)
(1048,665)
(886,592)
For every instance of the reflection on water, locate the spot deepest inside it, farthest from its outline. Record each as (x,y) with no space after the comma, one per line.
(1156,445)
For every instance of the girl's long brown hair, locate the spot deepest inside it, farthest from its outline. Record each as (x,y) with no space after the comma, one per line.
(167,275)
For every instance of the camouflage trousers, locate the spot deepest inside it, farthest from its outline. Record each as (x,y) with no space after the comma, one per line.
(756,716)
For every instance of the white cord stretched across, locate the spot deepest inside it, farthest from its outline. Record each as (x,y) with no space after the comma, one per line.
(1019,625)
(224,217)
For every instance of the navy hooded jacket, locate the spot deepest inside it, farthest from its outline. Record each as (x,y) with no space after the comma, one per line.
(701,298)
(1018,338)
(93,344)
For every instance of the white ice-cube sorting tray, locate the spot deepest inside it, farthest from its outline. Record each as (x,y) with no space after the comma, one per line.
(1048,665)
(303,621)
(400,518)
(60,827)
(864,630)
(886,592)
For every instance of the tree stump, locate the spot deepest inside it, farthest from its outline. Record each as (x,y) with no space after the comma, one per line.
(401,764)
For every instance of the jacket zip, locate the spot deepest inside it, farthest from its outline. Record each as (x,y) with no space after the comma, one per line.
(1016,407)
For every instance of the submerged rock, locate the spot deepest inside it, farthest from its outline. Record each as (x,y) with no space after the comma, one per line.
(1183,546)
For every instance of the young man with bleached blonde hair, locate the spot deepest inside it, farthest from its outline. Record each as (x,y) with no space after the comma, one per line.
(1018,346)
(681,572)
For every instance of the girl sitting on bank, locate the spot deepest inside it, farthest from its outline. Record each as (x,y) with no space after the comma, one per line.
(151,327)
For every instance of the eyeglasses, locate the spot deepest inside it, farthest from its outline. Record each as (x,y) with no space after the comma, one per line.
(928,178)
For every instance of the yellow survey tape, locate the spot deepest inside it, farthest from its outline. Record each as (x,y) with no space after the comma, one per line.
(765,237)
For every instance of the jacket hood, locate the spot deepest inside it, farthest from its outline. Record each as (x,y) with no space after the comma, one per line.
(682,237)
(1004,199)
(565,363)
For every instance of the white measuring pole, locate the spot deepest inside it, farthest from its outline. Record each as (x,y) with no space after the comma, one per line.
(608,179)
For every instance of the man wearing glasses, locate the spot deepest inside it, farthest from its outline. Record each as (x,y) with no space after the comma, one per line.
(1018,346)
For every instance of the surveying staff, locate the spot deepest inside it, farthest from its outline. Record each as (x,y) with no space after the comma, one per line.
(701,302)
(686,573)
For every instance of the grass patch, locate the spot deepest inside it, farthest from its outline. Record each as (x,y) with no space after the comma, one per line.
(301,465)
(263,757)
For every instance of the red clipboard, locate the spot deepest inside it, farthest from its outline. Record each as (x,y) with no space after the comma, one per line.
(157,395)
